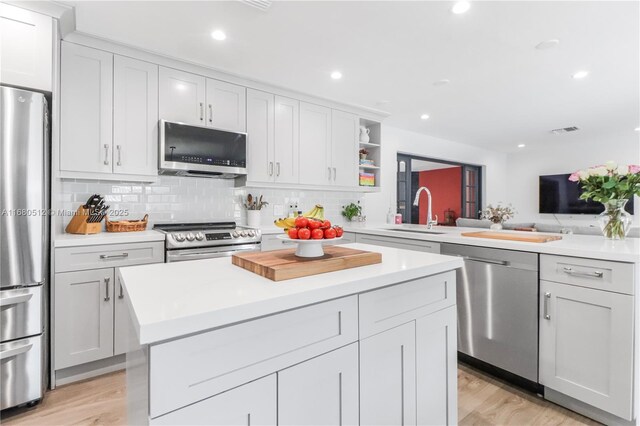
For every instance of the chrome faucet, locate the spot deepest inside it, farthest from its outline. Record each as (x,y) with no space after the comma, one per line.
(416,202)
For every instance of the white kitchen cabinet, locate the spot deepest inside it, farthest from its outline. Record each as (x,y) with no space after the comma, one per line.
(226,106)
(401,243)
(344,148)
(26,48)
(86,103)
(182,96)
(321,391)
(135,117)
(437,368)
(251,404)
(586,345)
(287,143)
(83,316)
(388,377)
(260,136)
(272,135)
(315,144)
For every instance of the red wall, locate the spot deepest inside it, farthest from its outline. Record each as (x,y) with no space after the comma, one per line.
(445,186)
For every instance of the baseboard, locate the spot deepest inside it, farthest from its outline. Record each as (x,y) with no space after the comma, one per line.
(90,369)
(585,409)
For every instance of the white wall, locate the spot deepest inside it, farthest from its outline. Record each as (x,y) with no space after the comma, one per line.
(524,167)
(394,140)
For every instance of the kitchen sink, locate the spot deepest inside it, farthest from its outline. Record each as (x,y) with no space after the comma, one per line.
(421,231)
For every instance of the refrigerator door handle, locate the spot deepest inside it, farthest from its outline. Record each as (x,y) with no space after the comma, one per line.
(15,300)
(15,351)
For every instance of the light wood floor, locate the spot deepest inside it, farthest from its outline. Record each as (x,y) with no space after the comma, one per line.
(482,400)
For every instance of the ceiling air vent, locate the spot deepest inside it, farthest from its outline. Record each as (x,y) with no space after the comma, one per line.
(564,130)
(263,5)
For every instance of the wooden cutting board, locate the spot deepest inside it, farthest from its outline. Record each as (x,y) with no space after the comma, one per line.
(281,265)
(531,238)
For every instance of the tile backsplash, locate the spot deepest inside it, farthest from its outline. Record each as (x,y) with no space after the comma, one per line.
(189,199)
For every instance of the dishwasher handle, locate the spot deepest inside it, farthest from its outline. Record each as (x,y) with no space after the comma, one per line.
(491,261)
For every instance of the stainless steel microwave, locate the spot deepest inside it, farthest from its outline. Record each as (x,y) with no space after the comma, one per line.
(189,150)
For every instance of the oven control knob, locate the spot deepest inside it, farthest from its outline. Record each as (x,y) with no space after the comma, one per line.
(235,234)
(199,236)
(243,233)
(178,237)
(190,237)
(251,233)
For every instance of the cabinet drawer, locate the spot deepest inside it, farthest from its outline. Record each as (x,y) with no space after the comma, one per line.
(391,306)
(401,243)
(188,370)
(92,257)
(592,273)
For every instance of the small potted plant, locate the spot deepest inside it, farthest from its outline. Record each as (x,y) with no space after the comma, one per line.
(363,154)
(253,206)
(353,212)
(497,215)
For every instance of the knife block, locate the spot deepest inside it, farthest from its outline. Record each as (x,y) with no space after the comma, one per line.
(79,225)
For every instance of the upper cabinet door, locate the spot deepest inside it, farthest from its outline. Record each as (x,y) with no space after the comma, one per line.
(315,144)
(25,48)
(344,148)
(135,117)
(226,106)
(86,109)
(182,97)
(260,136)
(287,133)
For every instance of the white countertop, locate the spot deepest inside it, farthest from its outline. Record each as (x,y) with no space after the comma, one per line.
(74,240)
(174,299)
(586,246)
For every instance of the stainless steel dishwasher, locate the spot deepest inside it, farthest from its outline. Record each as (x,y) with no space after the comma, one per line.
(497,296)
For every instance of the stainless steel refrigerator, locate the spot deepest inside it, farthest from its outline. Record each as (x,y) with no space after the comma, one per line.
(24,245)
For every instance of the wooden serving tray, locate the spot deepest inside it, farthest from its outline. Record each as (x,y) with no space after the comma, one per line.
(513,237)
(282,265)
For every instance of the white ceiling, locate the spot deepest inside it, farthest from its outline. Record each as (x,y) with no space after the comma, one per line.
(503,91)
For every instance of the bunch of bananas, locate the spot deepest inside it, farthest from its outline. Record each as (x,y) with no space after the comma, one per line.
(317,213)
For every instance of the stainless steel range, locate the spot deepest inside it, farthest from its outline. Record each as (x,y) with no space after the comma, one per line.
(192,241)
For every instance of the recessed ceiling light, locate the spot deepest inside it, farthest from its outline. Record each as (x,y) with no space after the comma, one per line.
(336,75)
(460,7)
(548,44)
(637,129)
(441,82)
(521,145)
(580,74)
(424,117)
(218,35)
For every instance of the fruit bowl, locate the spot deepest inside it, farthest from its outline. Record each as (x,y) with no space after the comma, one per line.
(308,248)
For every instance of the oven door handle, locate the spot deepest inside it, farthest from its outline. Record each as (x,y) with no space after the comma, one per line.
(195,254)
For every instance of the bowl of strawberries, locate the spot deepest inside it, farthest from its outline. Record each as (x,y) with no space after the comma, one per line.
(310,234)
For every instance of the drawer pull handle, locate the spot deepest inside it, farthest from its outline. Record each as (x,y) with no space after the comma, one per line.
(547,298)
(114,256)
(15,351)
(596,274)
(15,300)
(106,289)
(121,295)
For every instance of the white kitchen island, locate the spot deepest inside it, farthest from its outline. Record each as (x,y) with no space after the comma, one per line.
(211,343)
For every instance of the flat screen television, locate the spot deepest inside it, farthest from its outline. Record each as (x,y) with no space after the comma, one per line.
(561,196)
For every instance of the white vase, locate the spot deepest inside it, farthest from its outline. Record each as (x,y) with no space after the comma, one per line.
(496,226)
(253,218)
